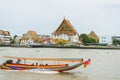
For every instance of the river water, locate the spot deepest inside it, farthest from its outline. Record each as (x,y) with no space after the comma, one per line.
(105,64)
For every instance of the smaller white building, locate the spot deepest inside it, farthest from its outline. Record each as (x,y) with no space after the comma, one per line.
(105,40)
(27,42)
(5,39)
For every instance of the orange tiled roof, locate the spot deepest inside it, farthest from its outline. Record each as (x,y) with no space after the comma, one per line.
(92,34)
(5,33)
(66,28)
(31,35)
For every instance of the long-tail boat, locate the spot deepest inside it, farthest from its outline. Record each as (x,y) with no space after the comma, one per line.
(70,63)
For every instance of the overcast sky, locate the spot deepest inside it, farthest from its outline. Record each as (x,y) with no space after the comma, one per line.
(44,16)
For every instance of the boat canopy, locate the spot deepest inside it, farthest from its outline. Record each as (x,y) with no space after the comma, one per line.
(48,59)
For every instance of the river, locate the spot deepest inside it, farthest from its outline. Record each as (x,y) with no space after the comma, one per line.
(104,66)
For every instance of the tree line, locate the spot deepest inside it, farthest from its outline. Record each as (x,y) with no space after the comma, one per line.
(86,40)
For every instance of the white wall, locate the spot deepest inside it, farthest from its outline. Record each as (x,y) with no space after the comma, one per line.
(73,38)
(105,40)
(5,39)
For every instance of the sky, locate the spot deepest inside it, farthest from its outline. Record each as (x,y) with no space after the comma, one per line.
(45,16)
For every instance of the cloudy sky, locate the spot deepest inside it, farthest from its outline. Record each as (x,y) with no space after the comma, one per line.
(44,16)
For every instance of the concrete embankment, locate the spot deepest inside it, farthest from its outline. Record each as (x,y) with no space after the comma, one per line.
(56,46)
(77,47)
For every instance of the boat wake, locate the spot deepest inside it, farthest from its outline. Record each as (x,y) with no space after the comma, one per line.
(34,71)
(43,71)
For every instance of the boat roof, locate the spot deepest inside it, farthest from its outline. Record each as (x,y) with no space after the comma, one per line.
(48,59)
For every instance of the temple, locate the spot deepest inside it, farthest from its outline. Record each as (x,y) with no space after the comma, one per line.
(30,38)
(93,35)
(66,31)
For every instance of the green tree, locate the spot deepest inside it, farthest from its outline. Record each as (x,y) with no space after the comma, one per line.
(116,42)
(14,38)
(91,40)
(84,38)
(11,41)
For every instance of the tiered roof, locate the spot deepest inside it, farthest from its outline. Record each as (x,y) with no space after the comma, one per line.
(31,35)
(4,33)
(66,28)
(92,34)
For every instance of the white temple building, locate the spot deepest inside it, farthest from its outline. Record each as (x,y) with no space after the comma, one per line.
(66,31)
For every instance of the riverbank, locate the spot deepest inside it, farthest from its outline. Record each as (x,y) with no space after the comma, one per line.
(59,46)
(75,47)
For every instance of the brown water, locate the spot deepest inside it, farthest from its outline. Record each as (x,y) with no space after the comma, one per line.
(105,64)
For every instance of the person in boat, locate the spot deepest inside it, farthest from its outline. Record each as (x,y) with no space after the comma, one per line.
(18,61)
(36,64)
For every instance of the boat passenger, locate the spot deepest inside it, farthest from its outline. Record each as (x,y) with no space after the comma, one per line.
(36,64)
(18,61)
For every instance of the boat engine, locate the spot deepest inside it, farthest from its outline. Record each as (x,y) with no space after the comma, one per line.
(9,61)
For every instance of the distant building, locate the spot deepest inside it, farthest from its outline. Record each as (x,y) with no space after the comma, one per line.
(93,35)
(4,33)
(66,31)
(116,37)
(46,39)
(18,39)
(105,40)
(4,37)
(31,38)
